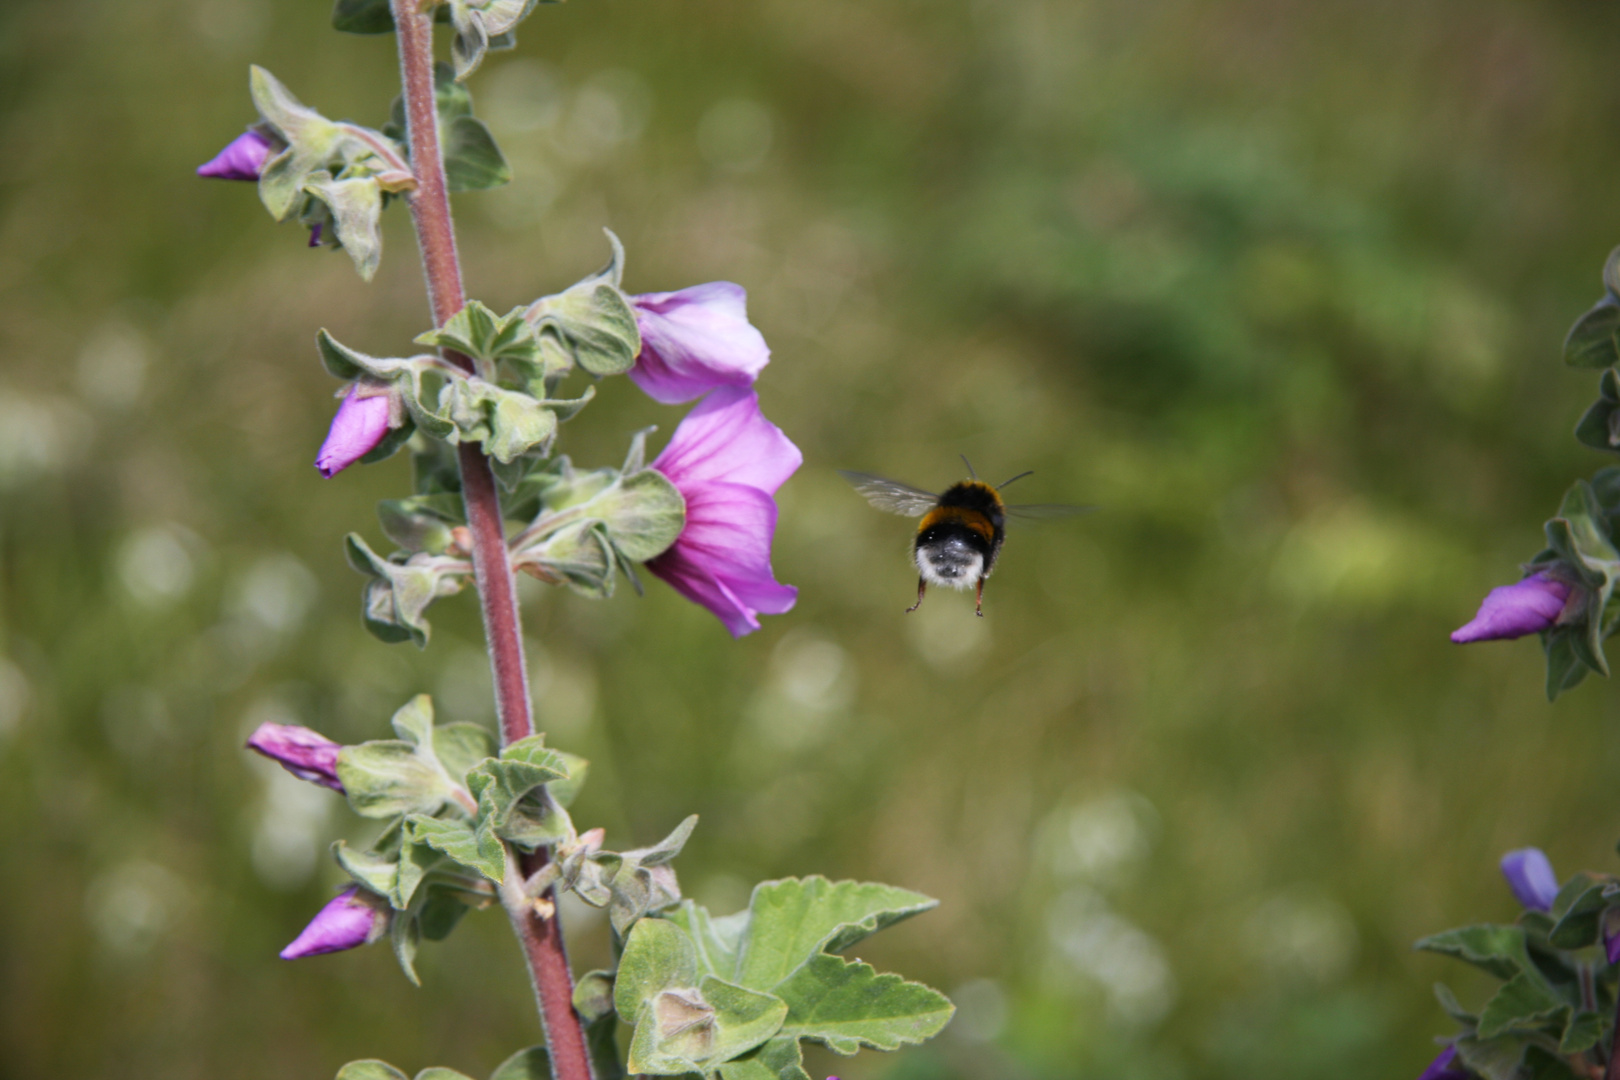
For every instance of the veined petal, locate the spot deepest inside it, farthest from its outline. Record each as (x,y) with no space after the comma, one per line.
(727,438)
(722,559)
(695,340)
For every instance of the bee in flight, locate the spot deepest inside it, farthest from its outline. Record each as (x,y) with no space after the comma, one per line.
(962,528)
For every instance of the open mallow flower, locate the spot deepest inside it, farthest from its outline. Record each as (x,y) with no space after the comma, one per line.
(362,421)
(1530,875)
(727,461)
(242,159)
(696,340)
(1512,611)
(352,918)
(306,754)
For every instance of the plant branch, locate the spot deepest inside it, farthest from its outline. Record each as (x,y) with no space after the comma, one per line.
(541,937)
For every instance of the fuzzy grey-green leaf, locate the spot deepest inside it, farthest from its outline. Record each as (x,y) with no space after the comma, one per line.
(473,847)
(846,1005)
(530,1064)
(793,919)
(386,778)
(370,1069)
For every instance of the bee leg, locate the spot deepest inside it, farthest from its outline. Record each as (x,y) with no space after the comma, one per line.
(978,600)
(922,587)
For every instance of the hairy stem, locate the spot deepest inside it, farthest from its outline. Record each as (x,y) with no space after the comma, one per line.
(540,935)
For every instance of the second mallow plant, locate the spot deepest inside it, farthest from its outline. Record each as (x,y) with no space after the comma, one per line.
(469,818)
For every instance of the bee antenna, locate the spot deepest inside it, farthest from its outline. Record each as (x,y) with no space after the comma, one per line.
(969,465)
(1020,476)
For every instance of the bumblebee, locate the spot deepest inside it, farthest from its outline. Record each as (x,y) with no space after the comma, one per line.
(962,528)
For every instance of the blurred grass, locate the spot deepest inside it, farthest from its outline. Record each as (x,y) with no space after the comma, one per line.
(1279,287)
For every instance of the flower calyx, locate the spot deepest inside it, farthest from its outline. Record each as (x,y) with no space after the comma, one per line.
(590,324)
(335,177)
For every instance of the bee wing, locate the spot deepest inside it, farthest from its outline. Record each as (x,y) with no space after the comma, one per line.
(891,495)
(1045,511)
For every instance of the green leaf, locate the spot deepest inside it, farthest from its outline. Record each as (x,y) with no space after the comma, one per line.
(477,848)
(370,1070)
(593,995)
(564,791)
(718,940)
(440,913)
(418,523)
(404,933)
(363,17)
(376,871)
(1525,1003)
(1564,668)
(602,1043)
(472,161)
(501,787)
(1583,1032)
(846,1005)
(439,1072)
(393,604)
(658,955)
(643,514)
(356,207)
(795,918)
(478,332)
(1592,341)
(531,1064)
(779,1059)
(1579,910)
(1500,950)
(386,778)
(1448,1002)
(1540,1064)
(459,747)
(594,319)
(1493,1059)
(508,423)
(310,138)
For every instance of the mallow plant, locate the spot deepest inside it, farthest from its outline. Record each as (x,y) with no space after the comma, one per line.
(1554,1015)
(471,819)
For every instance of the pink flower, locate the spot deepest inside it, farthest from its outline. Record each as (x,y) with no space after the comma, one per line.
(352,918)
(242,159)
(727,460)
(306,754)
(1512,611)
(695,340)
(362,421)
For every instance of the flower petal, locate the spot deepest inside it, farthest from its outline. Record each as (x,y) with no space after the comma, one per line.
(1512,611)
(306,754)
(350,919)
(695,340)
(722,559)
(242,159)
(727,438)
(1530,875)
(360,424)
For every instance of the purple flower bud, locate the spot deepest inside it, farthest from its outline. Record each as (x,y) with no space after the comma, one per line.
(1530,875)
(1441,1067)
(352,918)
(1611,934)
(306,754)
(695,340)
(242,159)
(362,421)
(727,461)
(1512,611)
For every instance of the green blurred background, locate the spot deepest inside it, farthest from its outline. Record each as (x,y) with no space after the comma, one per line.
(1279,287)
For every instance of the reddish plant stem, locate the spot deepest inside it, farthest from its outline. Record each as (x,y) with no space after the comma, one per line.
(540,936)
